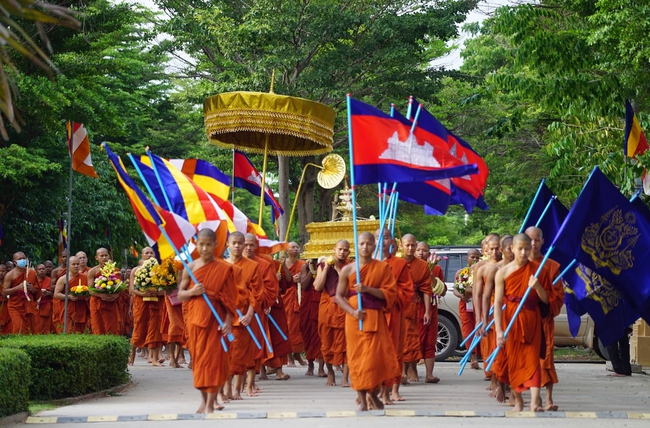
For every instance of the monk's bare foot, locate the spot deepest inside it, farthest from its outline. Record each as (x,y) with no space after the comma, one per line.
(405,380)
(535,408)
(489,388)
(282,376)
(387,401)
(250,391)
(236,396)
(550,407)
(339,368)
(511,400)
(270,371)
(131,359)
(182,362)
(432,379)
(301,361)
(499,394)
(331,380)
(363,405)
(224,397)
(257,389)
(263,376)
(397,397)
(376,402)
(291,364)
(322,373)
(161,360)
(345,383)
(189,366)
(310,371)
(474,365)
(518,407)
(157,363)
(413,379)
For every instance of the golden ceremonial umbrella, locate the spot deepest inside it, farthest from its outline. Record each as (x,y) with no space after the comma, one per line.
(268,123)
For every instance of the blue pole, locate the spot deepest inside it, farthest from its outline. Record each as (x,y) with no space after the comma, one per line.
(636,195)
(146,183)
(382,224)
(266,339)
(160,183)
(248,327)
(415,119)
(354,207)
(277,326)
(546,208)
(566,269)
(521,305)
(530,209)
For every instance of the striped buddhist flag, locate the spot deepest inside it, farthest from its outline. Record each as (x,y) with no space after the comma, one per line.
(207,176)
(635,142)
(79,148)
(63,237)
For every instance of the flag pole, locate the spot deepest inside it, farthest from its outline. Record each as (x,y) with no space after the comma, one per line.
(232,179)
(354,208)
(530,209)
(69,237)
(548,206)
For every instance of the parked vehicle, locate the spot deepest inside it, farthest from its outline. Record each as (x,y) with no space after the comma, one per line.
(450,334)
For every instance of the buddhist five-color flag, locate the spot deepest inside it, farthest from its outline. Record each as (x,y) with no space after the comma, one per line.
(635,142)
(79,148)
(150,216)
(207,176)
(63,237)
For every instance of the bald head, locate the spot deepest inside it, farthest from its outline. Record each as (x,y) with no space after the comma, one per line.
(521,237)
(534,230)
(207,234)
(536,241)
(101,255)
(147,253)
(74,265)
(422,251)
(366,248)
(236,236)
(250,245)
(473,256)
(342,251)
(409,245)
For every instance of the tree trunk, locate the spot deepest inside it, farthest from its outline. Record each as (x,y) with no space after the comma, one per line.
(283,189)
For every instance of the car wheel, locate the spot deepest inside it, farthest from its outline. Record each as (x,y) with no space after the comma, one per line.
(600,349)
(447,338)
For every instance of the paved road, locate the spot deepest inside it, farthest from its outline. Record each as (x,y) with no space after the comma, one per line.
(165,391)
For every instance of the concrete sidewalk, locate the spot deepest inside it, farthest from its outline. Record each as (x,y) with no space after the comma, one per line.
(166,391)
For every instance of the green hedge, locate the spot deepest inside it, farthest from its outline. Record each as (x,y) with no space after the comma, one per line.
(71,365)
(14,373)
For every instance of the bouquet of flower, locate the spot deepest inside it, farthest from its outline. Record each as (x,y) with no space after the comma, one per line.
(142,280)
(108,281)
(434,259)
(464,280)
(79,290)
(164,277)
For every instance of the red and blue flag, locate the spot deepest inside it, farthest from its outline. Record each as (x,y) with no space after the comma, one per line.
(246,176)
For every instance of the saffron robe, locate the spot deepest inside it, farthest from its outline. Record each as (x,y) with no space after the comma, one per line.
(331,321)
(265,295)
(281,346)
(427,335)
(18,306)
(210,363)
(549,375)
(371,355)
(104,316)
(43,320)
(292,309)
(78,311)
(243,349)
(309,309)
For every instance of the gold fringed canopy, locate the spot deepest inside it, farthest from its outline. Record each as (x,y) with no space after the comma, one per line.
(244,120)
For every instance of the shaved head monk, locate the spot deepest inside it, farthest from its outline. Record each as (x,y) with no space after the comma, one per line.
(372,358)
(140,310)
(83,262)
(49,267)
(78,312)
(419,308)
(5,319)
(429,332)
(292,298)
(243,349)
(43,317)
(331,318)
(104,312)
(524,342)
(59,271)
(549,375)
(210,362)
(466,305)
(396,316)
(18,285)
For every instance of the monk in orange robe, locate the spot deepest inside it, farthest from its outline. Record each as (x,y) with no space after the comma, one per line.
(18,286)
(499,369)
(331,318)
(292,304)
(59,271)
(104,310)
(549,375)
(243,349)
(524,341)
(420,304)
(482,309)
(78,310)
(309,318)
(175,328)
(43,320)
(395,315)
(429,331)
(83,262)
(140,310)
(210,362)
(466,307)
(5,319)
(371,355)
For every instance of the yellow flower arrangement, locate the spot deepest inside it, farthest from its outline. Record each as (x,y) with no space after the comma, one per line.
(164,277)
(142,279)
(108,281)
(79,290)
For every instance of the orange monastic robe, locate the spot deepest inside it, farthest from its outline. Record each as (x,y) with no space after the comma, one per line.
(5,319)
(43,320)
(281,346)
(104,316)
(549,375)
(58,306)
(292,309)
(309,321)
(371,355)
(395,315)
(427,335)
(176,324)
(265,292)
(331,321)
(243,349)
(525,337)
(210,363)
(78,311)
(140,322)
(18,306)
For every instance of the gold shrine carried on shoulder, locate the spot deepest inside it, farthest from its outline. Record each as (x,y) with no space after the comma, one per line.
(323,236)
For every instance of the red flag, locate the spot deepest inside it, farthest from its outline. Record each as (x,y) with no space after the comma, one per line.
(79,148)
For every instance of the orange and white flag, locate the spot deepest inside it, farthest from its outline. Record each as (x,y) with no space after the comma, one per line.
(79,148)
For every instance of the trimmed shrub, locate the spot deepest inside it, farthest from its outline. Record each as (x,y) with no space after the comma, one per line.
(14,376)
(71,365)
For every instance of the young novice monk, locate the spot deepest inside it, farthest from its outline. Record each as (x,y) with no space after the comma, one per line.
(210,363)
(371,356)
(524,341)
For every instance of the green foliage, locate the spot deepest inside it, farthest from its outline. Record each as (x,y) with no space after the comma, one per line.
(71,365)
(14,378)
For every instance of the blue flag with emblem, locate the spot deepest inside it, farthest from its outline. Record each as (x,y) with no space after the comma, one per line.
(605,233)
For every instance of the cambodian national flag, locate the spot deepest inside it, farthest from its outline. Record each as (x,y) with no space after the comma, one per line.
(386,150)
(248,177)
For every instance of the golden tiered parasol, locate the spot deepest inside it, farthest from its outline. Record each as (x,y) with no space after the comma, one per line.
(270,124)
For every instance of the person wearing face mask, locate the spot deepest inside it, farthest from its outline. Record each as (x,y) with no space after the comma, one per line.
(18,286)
